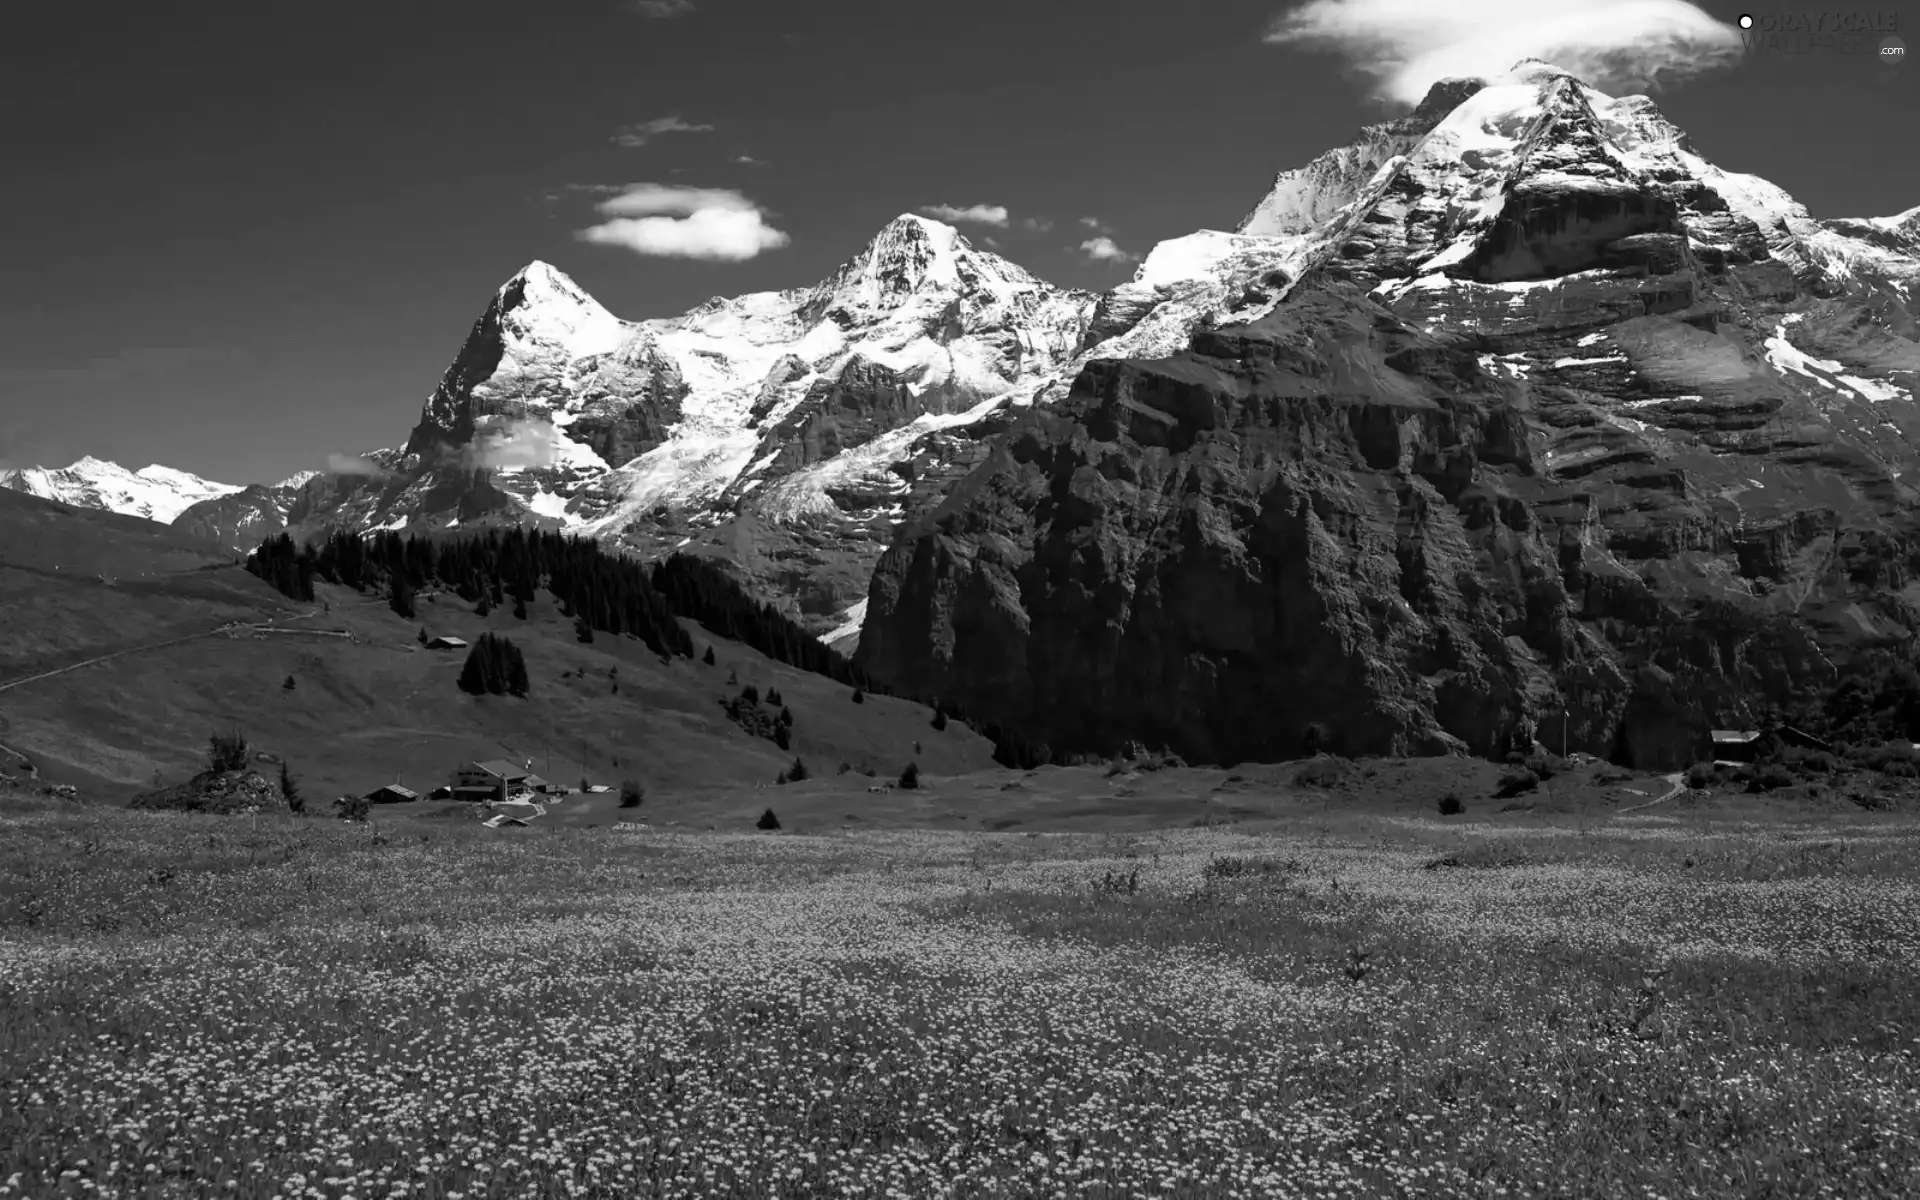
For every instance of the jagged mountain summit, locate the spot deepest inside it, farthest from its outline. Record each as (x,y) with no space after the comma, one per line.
(154,492)
(1514,418)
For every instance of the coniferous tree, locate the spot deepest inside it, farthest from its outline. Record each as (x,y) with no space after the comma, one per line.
(773,696)
(910,778)
(707,658)
(783,737)
(786,716)
(939,717)
(859,697)
(581,630)
(517,681)
(290,788)
(797,771)
(400,594)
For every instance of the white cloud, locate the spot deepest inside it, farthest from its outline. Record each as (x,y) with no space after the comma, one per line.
(354,464)
(1037,224)
(978,214)
(1103,249)
(661,9)
(1096,224)
(748,160)
(715,224)
(635,136)
(1408,45)
(517,444)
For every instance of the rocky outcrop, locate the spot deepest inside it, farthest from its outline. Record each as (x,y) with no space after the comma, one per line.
(1330,516)
(240,520)
(222,792)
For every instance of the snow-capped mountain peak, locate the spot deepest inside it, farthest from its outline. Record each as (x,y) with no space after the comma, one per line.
(155,492)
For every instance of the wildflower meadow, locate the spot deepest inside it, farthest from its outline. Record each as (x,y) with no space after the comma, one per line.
(1663,1006)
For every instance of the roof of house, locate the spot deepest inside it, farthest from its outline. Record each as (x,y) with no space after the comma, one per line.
(502,768)
(447,641)
(1736,735)
(394,789)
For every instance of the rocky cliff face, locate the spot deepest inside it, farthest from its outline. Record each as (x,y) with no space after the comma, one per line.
(1550,423)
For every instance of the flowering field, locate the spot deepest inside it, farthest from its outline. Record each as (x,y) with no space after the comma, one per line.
(1364,1005)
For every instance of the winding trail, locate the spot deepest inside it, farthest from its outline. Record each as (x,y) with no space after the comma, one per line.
(228,627)
(1677,784)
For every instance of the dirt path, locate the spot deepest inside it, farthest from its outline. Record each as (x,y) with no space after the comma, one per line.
(1676,784)
(224,628)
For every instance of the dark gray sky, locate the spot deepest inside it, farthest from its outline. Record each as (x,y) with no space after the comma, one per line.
(240,236)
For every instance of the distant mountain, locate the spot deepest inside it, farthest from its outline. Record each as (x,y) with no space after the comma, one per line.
(156,493)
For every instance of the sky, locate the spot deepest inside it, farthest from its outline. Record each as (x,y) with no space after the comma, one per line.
(242,236)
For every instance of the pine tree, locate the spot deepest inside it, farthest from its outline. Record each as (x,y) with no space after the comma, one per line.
(773,696)
(939,717)
(290,788)
(797,771)
(520,607)
(288,684)
(859,697)
(767,821)
(400,594)
(708,657)
(581,630)
(910,778)
(422,639)
(517,681)
(786,716)
(782,737)
(750,694)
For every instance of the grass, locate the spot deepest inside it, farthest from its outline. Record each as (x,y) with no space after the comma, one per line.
(1706,1003)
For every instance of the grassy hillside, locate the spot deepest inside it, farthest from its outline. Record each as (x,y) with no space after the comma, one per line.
(377,705)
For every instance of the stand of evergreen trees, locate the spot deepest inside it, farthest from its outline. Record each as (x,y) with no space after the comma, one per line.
(707,592)
(607,592)
(494,667)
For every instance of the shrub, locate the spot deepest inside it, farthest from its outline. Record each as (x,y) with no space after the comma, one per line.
(707,658)
(1699,775)
(767,821)
(845,766)
(631,793)
(288,684)
(859,697)
(1316,739)
(939,718)
(1450,805)
(1514,782)
(228,752)
(910,778)
(352,808)
(421,637)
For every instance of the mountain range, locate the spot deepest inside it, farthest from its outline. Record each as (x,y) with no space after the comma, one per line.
(1513,414)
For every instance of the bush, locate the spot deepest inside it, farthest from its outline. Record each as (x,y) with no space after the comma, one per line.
(288,684)
(1699,775)
(352,808)
(859,697)
(707,658)
(845,766)
(421,637)
(631,793)
(767,821)
(910,778)
(1514,782)
(1316,739)
(228,752)
(1450,805)
(939,718)
(750,694)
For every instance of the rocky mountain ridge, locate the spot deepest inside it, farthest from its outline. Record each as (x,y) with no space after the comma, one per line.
(1535,418)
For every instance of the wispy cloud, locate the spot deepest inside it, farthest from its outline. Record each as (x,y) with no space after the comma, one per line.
(1096,224)
(635,136)
(1037,224)
(748,160)
(1408,45)
(976,214)
(524,443)
(1104,249)
(659,10)
(354,464)
(662,221)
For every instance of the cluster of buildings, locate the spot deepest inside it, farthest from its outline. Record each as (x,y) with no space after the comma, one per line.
(495,781)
